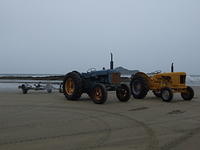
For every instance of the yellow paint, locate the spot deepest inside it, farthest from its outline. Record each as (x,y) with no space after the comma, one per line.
(171,80)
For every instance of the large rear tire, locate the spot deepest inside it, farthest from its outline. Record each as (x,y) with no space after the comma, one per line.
(166,94)
(188,95)
(123,93)
(139,87)
(99,94)
(72,86)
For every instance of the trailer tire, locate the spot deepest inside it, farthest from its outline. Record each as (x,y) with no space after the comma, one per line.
(49,90)
(24,91)
(72,86)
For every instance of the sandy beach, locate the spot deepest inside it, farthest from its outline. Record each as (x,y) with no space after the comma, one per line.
(44,121)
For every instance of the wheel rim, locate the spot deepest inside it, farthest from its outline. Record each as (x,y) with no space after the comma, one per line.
(123,93)
(98,94)
(165,94)
(69,86)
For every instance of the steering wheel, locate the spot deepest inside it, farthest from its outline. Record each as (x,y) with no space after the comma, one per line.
(157,71)
(91,70)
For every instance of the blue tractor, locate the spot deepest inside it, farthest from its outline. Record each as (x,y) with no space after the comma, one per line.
(95,84)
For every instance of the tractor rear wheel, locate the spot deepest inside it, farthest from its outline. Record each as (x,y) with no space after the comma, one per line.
(72,86)
(188,95)
(99,94)
(166,94)
(139,87)
(123,93)
(157,94)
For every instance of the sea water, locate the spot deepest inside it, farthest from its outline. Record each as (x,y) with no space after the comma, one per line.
(193,80)
(12,85)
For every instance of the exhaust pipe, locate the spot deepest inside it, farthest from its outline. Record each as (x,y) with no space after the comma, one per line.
(172,67)
(111,62)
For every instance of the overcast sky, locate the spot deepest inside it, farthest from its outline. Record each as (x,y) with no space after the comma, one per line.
(58,36)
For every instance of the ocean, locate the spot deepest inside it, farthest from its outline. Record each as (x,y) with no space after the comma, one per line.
(193,80)
(28,75)
(12,85)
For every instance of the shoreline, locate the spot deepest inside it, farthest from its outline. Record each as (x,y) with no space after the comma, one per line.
(60,77)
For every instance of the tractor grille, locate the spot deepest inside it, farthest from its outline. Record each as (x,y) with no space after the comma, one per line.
(116,78)
(182,79)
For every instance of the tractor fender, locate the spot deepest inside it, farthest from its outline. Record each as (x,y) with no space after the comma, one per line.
(141,75)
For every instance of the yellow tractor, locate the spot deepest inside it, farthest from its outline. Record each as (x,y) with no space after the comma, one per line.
(163,85)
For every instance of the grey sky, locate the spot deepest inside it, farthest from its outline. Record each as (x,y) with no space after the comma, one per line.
(57,36)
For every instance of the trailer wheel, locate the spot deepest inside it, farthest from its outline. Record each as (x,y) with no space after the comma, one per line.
(61,88)
(123,93)
(139,87)
(72,86)
(49,90)
(24,91)
(99,94)
(188,95)
(166,94)
(157,94)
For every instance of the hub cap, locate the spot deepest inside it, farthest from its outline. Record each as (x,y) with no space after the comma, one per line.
(69,86)
(165,94)
(98,94)
(123,93)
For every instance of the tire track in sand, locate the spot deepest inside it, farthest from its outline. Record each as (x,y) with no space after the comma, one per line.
(152,139)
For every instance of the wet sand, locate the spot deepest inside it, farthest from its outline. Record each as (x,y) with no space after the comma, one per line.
(48,121)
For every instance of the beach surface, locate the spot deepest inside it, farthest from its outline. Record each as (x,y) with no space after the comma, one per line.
(42,121)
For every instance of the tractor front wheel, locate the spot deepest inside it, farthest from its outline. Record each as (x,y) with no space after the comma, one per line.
(123,93)
(188,95)
(166,94)
(99,94)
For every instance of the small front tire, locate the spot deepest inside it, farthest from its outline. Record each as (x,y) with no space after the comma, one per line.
(188,95)
(49,90)
(166,94)
(123,93)
(24,91)
(99,94)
